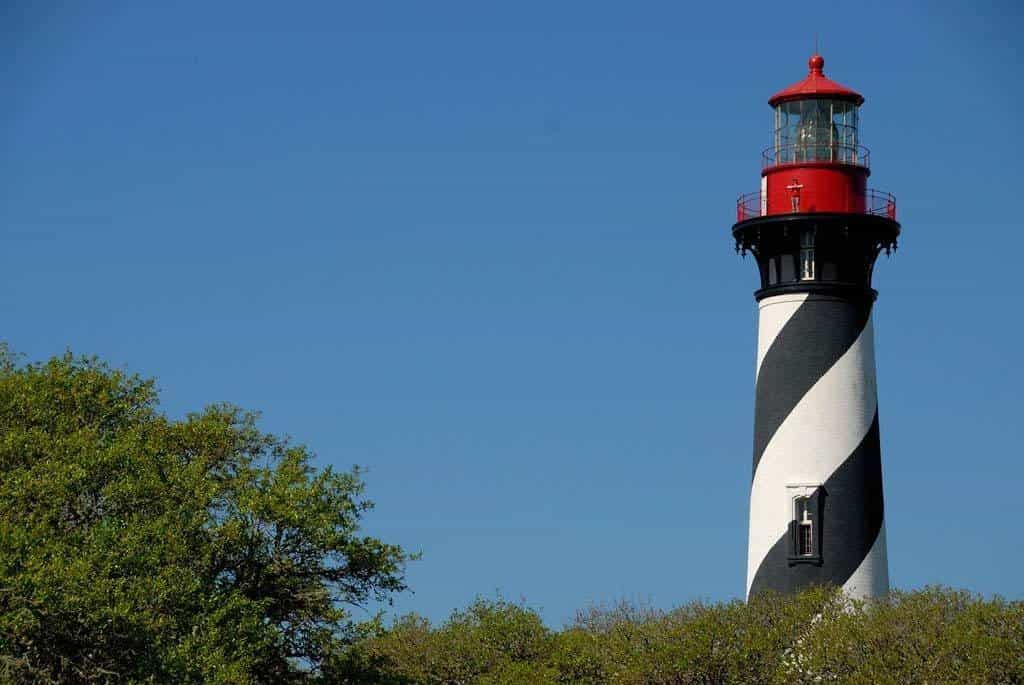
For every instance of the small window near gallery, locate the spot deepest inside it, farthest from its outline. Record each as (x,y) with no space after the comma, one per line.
(807,255)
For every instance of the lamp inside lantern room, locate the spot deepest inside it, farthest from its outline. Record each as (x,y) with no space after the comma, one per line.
(815,130)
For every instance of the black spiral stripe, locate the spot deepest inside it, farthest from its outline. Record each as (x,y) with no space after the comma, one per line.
(854,512)
(817,335)
(806,347)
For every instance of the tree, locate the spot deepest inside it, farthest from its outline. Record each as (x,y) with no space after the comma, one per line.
(492,642)
(934,635)
(931,636)
(137,548)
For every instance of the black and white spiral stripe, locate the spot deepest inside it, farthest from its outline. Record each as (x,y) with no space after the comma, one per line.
(816,427)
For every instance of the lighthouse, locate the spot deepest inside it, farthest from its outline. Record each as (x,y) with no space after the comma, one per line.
(815,230)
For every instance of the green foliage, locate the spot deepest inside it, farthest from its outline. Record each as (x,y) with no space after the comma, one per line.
(495,642)
(932,636)
(134,548)
(698,643)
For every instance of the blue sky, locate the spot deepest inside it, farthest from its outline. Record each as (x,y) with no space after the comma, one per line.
(483,250)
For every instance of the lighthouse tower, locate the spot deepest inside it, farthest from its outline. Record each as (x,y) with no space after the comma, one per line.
(815,230)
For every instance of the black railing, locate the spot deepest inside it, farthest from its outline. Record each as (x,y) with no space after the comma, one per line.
(801,153)
(876,202)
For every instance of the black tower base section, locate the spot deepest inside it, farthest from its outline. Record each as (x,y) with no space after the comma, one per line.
(828,254)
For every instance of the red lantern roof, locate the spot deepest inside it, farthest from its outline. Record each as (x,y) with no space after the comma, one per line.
(816,86)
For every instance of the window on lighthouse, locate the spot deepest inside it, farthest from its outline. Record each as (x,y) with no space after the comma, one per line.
(816,134)
(805,530)
(807,255)
(844,125)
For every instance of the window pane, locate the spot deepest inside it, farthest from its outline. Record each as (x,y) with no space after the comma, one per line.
(806,540)
(815,130)
(807,264)
(814,134)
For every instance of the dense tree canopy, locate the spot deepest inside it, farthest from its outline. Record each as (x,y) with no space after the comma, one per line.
(928,637)
(137,548)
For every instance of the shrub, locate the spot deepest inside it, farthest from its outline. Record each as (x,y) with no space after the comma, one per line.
(931,636)
(491,641)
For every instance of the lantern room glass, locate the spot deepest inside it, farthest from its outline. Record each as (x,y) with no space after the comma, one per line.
(815,130)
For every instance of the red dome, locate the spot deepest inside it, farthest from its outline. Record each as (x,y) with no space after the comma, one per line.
(816,86)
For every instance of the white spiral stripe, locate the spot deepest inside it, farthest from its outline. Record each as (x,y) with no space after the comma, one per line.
(871,579)
(773,315)
(825,427)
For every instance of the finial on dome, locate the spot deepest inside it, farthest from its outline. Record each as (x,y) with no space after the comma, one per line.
(817,64)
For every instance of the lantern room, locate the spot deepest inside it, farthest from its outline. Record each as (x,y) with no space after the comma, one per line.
(815,120)
(815,226)
(815,162)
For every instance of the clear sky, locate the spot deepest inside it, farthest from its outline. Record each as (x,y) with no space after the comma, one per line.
(483,250)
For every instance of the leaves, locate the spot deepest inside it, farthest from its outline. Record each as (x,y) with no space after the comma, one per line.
(493,641)
(930,636)
(134,548)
